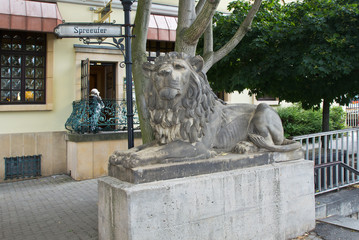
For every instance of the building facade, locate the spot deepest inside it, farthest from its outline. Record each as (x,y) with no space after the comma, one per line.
(42,76)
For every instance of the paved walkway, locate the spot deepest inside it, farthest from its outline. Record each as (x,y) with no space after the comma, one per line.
(50,208)
(59,208)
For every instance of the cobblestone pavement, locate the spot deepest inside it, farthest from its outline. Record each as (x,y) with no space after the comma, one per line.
(51,208)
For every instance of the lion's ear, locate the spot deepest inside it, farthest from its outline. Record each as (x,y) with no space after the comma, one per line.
(197,63)
(148,68)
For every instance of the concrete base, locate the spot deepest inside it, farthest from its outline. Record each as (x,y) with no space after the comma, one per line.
(274,201)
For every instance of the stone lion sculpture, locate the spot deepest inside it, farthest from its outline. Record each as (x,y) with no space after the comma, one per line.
(190,122)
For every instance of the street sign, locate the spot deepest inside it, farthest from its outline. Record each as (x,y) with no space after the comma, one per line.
(91,30)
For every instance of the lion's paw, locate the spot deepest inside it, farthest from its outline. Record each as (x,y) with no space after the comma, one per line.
(244,147)
(125,159)
(213,154)
(130,162)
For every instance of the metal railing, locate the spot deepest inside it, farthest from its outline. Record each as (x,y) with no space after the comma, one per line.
(352,114)
(93,117)
(335,156)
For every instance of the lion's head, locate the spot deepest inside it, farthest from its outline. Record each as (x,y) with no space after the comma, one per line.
(179,97)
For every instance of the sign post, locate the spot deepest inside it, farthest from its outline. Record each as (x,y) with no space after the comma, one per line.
(128,61)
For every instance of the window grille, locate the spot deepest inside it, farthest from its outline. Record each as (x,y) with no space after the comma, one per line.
(23,65)
(22,167)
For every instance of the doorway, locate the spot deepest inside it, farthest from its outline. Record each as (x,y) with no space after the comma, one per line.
(103,78)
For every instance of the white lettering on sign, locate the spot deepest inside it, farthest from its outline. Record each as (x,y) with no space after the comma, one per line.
(88,30)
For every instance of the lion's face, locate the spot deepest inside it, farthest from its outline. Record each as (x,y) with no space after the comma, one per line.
(178,97)
(170,75)
(171,79)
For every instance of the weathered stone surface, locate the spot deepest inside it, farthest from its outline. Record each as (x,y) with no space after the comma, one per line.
(272,201)
(181,169)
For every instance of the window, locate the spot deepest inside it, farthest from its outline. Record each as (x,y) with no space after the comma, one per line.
(157,48)
(22,65)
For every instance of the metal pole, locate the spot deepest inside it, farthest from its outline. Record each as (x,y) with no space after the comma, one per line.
(127,9)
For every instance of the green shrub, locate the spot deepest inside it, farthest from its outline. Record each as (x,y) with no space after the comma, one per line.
(336,118)
(297,121)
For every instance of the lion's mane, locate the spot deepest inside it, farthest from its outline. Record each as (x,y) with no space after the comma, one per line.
(186,119)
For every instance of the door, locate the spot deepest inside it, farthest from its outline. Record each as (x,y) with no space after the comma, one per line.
(103,78)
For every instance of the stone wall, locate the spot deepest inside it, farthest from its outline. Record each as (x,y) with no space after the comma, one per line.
(51,145)
(273,201)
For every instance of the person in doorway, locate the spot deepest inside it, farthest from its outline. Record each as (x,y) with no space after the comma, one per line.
(96,105)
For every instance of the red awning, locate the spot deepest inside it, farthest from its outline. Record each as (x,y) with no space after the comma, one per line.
(29,15)
(162,28)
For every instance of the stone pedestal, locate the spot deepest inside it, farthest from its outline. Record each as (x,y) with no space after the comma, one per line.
(268,201)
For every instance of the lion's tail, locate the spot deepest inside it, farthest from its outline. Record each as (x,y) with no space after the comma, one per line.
(288,145)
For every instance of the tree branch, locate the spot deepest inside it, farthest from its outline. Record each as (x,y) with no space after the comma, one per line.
(199,6)
(199,25)
(212,58)
(186,15)
(208,40)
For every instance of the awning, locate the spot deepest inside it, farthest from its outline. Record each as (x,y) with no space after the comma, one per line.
(29,15)
(162,28)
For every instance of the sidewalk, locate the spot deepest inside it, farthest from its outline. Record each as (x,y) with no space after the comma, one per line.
(59,208)
(50,208)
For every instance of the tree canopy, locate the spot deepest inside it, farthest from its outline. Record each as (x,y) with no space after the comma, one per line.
(305,51)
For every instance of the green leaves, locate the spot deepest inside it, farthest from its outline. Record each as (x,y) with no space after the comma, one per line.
(302,51)
(298,121)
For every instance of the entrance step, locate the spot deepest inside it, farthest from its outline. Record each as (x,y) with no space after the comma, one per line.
(345,222)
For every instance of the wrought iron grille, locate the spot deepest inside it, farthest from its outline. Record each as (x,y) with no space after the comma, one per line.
(22,167)
(111,116)
(335,156)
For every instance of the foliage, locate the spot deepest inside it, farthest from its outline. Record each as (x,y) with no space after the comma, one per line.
(337,118)
(304,51)
(298,121)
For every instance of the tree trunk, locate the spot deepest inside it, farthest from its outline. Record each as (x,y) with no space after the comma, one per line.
(138,58)
(186,16)
(325,116)
(192,23)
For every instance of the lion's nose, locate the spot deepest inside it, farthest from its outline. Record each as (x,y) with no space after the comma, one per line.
(166,71)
